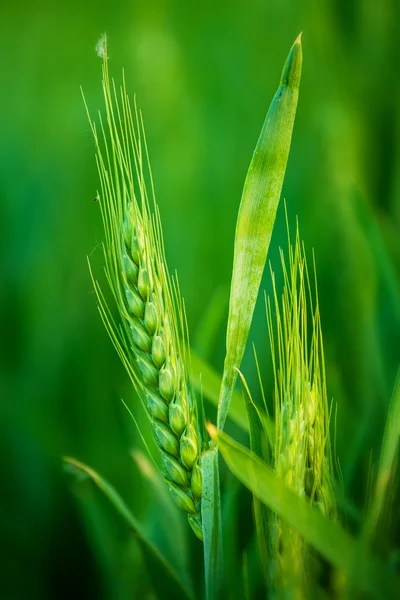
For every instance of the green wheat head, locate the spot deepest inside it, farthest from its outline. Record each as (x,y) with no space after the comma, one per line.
(301,453)
(150,332)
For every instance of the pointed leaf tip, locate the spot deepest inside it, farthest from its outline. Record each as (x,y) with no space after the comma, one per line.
(291,73)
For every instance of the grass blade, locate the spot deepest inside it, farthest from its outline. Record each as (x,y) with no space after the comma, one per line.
(390,444)
(171,580)
(343,551)
(212,528)
(256,218)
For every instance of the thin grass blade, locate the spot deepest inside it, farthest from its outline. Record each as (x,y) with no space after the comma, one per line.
(171,580)
(256,218)
(384,477)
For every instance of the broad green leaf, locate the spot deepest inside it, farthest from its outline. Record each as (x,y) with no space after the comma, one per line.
(390,443)
(212,527)
(342,550)
(169,578)
(256,218)
(259,447)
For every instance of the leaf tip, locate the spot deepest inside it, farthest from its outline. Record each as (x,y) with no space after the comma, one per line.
(298,39)
(291,73)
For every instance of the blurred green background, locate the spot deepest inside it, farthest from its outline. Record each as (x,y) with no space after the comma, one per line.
(204,75)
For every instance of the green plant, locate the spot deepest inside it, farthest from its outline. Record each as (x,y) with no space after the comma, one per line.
(151,334)
(255,223)
(301,453)
(288,467)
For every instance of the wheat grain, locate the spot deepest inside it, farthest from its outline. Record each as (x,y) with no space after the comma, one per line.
(151,337)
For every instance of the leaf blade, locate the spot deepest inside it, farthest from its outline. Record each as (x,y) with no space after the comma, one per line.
(257,211)
(180,587)
(390,442)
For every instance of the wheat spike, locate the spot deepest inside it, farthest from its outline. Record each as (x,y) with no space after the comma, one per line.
(302,452)
(151,336)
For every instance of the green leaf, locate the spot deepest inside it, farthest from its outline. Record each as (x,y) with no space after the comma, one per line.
(212,527)
(390,444)
(343,551)
(169,578)
(256,218)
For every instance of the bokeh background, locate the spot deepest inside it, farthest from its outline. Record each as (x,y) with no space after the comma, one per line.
(204,75)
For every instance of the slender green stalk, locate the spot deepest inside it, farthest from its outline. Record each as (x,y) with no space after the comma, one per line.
(212,525)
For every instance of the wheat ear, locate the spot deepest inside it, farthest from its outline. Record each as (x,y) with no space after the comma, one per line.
(151,336)
(302,452)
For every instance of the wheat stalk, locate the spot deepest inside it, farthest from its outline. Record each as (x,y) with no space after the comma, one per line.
(151,336)
(302,452)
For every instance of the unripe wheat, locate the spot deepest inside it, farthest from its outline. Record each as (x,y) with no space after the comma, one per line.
(151,337)
(302,452)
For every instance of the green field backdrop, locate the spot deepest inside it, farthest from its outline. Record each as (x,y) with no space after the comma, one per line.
(204,75)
